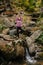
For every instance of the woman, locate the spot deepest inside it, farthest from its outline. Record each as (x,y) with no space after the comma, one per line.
(18,23)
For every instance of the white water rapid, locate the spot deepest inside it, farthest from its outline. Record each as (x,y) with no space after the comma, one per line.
(28,58)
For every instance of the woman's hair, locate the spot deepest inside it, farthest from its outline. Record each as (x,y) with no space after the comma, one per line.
(16,13)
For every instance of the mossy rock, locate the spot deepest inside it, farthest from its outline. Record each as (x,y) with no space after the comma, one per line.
(41,56)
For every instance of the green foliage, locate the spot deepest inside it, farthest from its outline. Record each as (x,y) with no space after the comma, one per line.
(2,27)
(42,3)
(40,39)
(41,27)
(29,5)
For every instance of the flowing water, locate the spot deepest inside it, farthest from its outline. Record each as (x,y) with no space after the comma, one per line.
(28,58)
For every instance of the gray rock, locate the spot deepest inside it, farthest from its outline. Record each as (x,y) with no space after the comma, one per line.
(12,32)
(33,37)
(30,40)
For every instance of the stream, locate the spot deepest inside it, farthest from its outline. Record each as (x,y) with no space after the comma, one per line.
(28,58)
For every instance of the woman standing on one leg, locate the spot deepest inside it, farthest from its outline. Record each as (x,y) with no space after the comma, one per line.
(18,23)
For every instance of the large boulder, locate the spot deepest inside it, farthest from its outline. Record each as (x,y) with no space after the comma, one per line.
(8,22)
(30,41)
(33,37)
